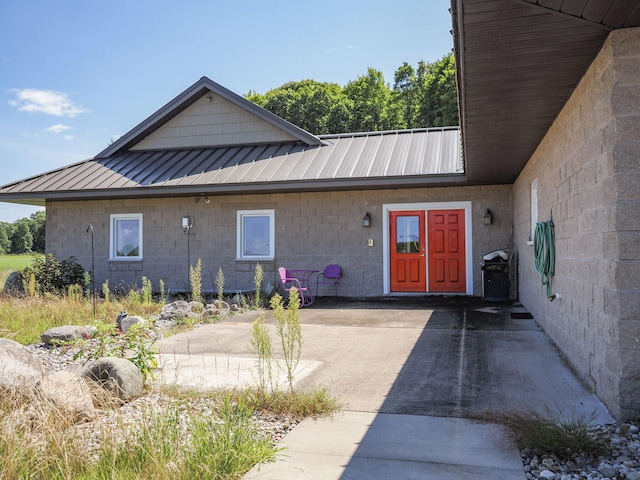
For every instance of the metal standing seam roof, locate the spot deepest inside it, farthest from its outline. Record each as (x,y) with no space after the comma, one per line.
(359,160)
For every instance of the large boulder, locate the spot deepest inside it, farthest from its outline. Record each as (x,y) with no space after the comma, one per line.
(18,367)
(8,341)
(127,322)
(68,392)
(117,375)
(67,333)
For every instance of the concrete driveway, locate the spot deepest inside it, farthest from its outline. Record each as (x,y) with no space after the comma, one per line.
(414,376)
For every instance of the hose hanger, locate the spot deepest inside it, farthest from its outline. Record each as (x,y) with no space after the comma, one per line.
(544,251)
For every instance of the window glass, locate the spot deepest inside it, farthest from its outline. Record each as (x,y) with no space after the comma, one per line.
(126,237)
(255,234)
(407,234)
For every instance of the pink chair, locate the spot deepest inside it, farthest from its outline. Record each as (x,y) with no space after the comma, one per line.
(329,276)
(288,281)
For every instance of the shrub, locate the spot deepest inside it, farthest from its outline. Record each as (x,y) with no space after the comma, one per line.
(52,275)
(564,439)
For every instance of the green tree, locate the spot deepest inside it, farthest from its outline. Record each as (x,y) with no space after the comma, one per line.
(6,231)
(437,95)
(22,240)
(316,107)
(37,229)
(372,103)
(404,91)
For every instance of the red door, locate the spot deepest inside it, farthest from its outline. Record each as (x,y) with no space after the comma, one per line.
(447,251)
(408,261)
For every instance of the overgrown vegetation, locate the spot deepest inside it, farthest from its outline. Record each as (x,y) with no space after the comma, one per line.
(46,274)
(174,443)
(195,279)
(565,439)
(170,442)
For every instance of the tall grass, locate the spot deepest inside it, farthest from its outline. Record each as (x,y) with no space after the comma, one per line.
(25,319)
(222,443)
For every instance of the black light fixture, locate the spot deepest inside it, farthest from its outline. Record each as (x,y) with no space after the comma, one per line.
(488,218)
(366,221)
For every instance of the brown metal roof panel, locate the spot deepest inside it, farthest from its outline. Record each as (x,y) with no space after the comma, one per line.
(321,158)
(368,153)
(300,163)
(102,177)
(308,160)
(284,170)
(450,159)
(381,160)
(245,158)
(415,155)
(160,165)
(175,169)
(258,161)
(220,168)
(86,178)
(334,160)
(398,159)
(352,157)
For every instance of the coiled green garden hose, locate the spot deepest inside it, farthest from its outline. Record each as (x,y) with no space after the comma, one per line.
(544,252)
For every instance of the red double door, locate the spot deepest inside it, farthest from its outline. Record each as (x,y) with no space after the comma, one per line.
(444,267)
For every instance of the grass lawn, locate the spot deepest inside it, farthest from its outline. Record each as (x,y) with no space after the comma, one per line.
(12,263)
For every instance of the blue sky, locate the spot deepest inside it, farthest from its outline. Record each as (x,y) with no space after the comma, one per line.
(76,73)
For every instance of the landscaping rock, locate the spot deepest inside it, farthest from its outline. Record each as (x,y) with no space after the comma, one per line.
(125,323)
(179,309)
(117,375)
(67,333)
(68,392)
(18,367)
(8,341)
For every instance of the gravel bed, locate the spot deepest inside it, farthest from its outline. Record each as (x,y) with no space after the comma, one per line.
(132,413)
(622,464)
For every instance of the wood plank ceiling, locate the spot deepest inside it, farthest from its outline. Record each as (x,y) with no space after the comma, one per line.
(518,62)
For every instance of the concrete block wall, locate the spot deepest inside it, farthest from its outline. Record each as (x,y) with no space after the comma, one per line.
(312,230)
(588,173)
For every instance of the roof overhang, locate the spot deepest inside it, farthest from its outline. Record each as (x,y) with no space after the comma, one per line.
(518,62)
(40,198)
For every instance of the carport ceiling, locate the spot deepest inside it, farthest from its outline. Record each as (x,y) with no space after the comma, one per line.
(518,62)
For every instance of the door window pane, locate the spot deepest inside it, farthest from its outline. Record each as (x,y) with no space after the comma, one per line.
(408,234)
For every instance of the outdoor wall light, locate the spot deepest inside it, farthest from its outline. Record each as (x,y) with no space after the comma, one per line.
(366,221)
(187,223)
(207,200)
(488,218)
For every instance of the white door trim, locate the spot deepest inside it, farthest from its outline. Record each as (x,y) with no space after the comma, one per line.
(397,207)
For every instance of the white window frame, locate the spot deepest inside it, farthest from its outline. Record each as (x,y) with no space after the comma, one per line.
(113,222)
(534,209)
(240,237)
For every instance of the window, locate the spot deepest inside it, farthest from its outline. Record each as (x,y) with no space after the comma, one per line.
(256,237)
(126,237)
(534,207)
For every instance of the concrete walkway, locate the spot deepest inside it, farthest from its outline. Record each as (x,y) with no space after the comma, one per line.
(414,375)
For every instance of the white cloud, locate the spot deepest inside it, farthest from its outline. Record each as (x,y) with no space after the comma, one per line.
(69,137)
(49,102)
(351,47)
(58,128)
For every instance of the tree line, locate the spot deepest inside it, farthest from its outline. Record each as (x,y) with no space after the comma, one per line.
(23,236)
(420,97)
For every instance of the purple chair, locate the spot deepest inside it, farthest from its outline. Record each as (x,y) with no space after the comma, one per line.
(329,276)
(288,281)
